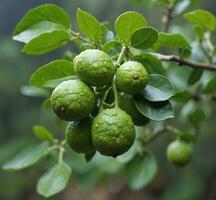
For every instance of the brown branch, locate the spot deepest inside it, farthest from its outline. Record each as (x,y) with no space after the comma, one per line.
(167,17)
(181,61)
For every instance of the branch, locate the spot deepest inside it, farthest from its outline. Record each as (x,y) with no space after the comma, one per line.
(181,61)
(167,17)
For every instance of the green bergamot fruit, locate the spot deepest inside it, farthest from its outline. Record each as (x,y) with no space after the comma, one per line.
(179,152)
(73,100)
(78,135)
(132,77)
(113,132)
(127,104)
(94,67)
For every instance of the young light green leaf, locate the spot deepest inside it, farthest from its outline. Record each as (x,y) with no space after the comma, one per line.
(202,18)
(42,133)
(54,70)
(159,88)
(152,64)
(38,29)
(26,157)
(127,22)
(141,170)
(144,38)
(89,25)
(46,42)
(55,180)
(32,91)
(195,76)
(173,40)
(156,111)
(41,19)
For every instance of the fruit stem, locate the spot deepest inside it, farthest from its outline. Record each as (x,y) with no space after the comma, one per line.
(79,37)
(121,56)
(115,92)
(61,154)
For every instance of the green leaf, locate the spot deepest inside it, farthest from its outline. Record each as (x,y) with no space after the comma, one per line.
(26,157)
(33,91)
(156,111)
(42,133)
(151,63)
(38,29)
(54,70)
(127,23)
(182,96)
(46,42)
(173,40)
(55,180)
(210,86)
(144,38)
(159,88)
(195,76)
(187,136)
(112,47)
(141,170)
(196,116)
(201,18)
(44,18)
(89,25)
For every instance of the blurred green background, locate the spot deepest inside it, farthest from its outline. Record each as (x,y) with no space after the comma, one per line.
(101,179)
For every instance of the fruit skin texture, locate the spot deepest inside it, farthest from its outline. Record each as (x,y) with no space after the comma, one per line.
(73,100)
(113,132)
(132,77)
(78,136)
(179,153)
(94,67)
(126,103)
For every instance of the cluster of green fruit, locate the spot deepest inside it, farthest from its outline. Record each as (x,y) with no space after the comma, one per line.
(111,130)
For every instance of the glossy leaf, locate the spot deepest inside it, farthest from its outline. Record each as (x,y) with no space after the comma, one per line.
(173,40)
(202,18)
(42,133)
(127,23)
(26,157)
(144,38)
(42,19)
(46,42)
(55,180)
(151,63)
(159,88)
(141,170)
(89,25)
(54,70)
(156,111)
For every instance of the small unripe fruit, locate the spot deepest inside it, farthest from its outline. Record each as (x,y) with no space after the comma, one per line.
(179,153)
(78,135)
(94,67)
(113,132)
(132,77)
(73,100)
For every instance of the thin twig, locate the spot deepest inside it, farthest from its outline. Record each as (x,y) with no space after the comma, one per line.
(167,17)
(181,61)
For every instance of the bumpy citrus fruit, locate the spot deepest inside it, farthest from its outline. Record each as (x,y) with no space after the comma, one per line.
(131,77)
(127,104)
(94,67)
(179,152)
(113,132)
(73,100)
(78,135)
